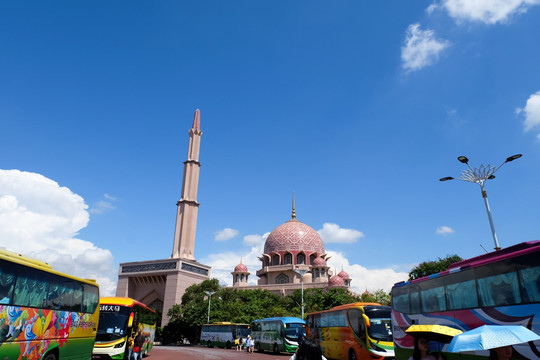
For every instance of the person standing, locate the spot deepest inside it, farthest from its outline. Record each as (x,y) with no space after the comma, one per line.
(139,344)
(130,344)
(248,343)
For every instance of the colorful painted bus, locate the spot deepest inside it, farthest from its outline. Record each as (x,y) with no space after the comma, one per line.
(501,287)
(353,331)
(222,334)
(45,314)
(119,318)
(277,334)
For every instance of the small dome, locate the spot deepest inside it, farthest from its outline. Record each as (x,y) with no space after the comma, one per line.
(240,268)
(343,275)
(294,235)
(319,262)
(336,281)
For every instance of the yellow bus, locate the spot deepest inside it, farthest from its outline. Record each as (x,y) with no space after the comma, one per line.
(45,314)
(353,331)
(119,318)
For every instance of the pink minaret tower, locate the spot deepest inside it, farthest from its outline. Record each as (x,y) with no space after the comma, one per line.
(186,215)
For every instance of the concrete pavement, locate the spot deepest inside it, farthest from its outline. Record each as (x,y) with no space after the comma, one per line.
(204,353)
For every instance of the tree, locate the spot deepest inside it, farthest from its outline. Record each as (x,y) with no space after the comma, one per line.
(432,267)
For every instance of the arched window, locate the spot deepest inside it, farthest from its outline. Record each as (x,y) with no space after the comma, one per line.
(287,259)
(275,260)
(300,258)
(312,258)
(266,261)
(322,272)
(316,273)
(242,277)
(236,277)
(282,279)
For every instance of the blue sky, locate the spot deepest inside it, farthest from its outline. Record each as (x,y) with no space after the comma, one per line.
(356,107)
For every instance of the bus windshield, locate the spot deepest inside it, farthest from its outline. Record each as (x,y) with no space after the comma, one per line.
(294,330)
(380,328)
(113,321)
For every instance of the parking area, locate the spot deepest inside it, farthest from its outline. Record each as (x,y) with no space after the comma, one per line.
(200,353)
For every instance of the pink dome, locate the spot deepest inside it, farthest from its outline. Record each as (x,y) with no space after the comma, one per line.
(343,275)
(240,268)
(294,235)
(336,281)
(319,262)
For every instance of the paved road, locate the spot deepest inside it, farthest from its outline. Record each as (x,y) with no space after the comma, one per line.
(204,353)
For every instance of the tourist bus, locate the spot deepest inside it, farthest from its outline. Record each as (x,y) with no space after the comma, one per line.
(45,314)
(353,331)
(277,334)
(500,287)
(119,318)
(222,334)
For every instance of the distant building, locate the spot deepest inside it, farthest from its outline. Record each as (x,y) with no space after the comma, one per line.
(289,247)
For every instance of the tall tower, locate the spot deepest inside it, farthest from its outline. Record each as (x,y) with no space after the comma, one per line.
(186,214)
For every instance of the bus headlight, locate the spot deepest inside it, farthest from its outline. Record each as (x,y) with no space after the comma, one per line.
(119,345)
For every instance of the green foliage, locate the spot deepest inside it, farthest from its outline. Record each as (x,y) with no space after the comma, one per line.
(432,267)
(379,296)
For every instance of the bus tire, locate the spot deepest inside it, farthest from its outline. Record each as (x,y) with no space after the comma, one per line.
(352,354)
(259,348)
(209,344)
(276,348)
(50,356)
(228,346)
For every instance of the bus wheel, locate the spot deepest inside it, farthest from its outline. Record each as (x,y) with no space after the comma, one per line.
(228,345)
(259,348)
(209,344)
(50,356)
(352,354)
(276,349)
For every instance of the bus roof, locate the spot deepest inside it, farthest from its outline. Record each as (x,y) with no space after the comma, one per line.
(37,264)
(285,319)
(347,306)
(494,256)
(125,301)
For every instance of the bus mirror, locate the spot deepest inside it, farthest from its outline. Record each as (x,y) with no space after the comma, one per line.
(366,319)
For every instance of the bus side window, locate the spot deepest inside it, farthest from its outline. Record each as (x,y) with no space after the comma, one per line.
(6,286)
(530,283)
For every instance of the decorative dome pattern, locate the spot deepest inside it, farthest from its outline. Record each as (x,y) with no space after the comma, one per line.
(240,268)
(336,281)
(319,262)
(343,275)
(294,235)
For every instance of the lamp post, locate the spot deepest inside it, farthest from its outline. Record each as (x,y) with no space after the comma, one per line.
(302,273)
(209,293)
(479,176)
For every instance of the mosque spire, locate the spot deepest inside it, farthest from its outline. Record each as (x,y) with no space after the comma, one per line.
(293,210)
(187,206)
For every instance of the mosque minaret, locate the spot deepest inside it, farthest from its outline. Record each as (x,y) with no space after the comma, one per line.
(186,214)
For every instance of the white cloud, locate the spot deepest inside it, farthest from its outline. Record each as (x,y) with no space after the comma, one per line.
(255,240)
(366,279)
(444,230)
(486,11)
(332,233)
(225,234)
(421,48)
(41,219)
(531,112)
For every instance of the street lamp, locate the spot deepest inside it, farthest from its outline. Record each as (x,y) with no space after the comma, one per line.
(209,293)
(302,273)
(479,176)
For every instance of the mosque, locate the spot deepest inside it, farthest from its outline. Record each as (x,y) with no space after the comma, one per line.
(293,258)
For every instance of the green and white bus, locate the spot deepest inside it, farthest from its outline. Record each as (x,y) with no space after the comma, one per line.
(222,334)
(277,334)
